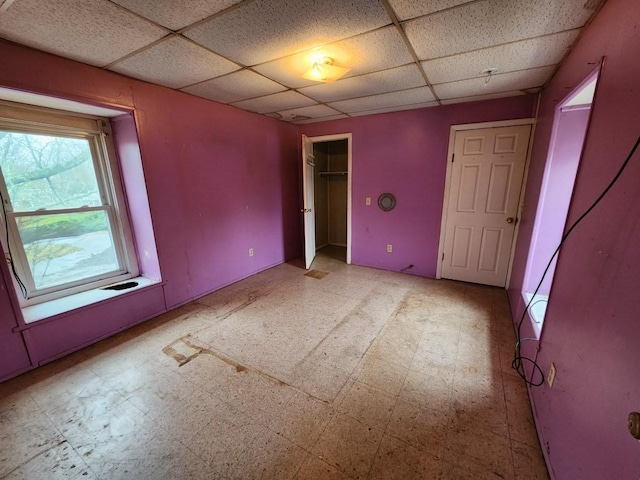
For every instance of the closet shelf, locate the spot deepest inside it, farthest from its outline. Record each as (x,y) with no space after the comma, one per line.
(326,174)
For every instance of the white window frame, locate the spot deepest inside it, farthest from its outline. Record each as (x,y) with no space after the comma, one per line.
(31,119)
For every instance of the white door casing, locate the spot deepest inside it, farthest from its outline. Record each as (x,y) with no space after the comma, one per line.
(308,193)
(482,204)
(308,209)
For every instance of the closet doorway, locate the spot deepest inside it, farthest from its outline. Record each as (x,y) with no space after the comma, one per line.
(327,196)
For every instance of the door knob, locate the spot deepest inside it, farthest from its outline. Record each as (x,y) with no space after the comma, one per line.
(511,220)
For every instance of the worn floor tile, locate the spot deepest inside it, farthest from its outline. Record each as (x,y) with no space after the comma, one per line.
(349,445)
(361,374)
(369,405)
(302,420)
(315,469)
(528,462)
(398,460)
(423,428)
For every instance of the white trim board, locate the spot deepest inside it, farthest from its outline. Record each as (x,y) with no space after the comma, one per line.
(349,138)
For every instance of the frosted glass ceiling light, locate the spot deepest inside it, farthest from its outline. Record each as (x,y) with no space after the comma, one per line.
(323,70)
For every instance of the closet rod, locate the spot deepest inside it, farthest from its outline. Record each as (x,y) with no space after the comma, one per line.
(324,174)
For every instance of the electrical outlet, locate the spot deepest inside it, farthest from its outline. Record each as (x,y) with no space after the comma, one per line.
(367,201)
(552,375)
(389,248)
(251,252)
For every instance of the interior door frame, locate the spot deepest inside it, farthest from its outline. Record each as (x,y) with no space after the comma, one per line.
(348,138)
(447,182)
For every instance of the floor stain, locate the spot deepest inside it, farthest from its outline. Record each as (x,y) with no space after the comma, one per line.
(316,274)
(188,341)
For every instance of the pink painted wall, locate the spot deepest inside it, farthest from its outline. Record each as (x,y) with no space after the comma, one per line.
(14,358)
(591,327)
(218,181)
(405,153)
(558,188)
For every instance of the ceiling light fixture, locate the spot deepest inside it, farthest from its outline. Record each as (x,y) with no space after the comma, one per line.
(323,70)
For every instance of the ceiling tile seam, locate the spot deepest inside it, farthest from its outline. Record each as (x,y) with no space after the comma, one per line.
(327,105)
(495,75)
(235,102)
(491,95)
(581,31)
(169,35)
(250,69)
(412,52)
(438,12)
(142,17)
(497,45)
(214,15)
(396,106)
(321,46)
(5,6)
(320,119)
(241,100)
(386,92)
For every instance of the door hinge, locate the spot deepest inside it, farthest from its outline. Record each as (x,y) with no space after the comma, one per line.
(453,156)
(442,256)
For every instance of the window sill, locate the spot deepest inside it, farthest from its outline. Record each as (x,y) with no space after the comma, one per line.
(536,311)
(53,308)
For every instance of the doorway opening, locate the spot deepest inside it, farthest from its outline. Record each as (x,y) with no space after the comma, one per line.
(326,166)
(330,197)
(569,132)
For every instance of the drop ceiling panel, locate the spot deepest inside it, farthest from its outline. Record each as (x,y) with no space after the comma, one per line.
(385,100)
(263,30)
(370,52)
(396,109)
(201,47)
(492,22)
(505,82)
(234,87)
(400,78)
(315,111)
(174,15)
(476,98)
(536,52)
(96,32)
(406,9)
(323,119)
(275,103)
(175,63)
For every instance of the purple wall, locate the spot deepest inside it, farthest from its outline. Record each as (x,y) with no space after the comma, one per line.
(553,205)
(218,181)
(405,153)
(591,327)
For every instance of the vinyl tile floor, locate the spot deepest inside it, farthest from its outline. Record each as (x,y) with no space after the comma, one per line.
(360,374)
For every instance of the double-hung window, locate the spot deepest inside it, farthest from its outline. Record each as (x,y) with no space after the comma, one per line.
(64,222)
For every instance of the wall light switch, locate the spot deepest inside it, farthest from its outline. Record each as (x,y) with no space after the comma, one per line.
(367,200)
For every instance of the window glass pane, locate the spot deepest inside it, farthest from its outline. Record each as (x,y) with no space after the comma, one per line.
(68,247)
(48,172)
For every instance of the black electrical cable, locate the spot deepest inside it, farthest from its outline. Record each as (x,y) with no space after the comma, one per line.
(518,358)
(23,288)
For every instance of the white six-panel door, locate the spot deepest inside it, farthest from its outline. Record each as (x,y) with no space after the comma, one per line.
(481,213)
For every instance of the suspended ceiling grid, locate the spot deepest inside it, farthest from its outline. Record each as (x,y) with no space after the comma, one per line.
(251,54)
